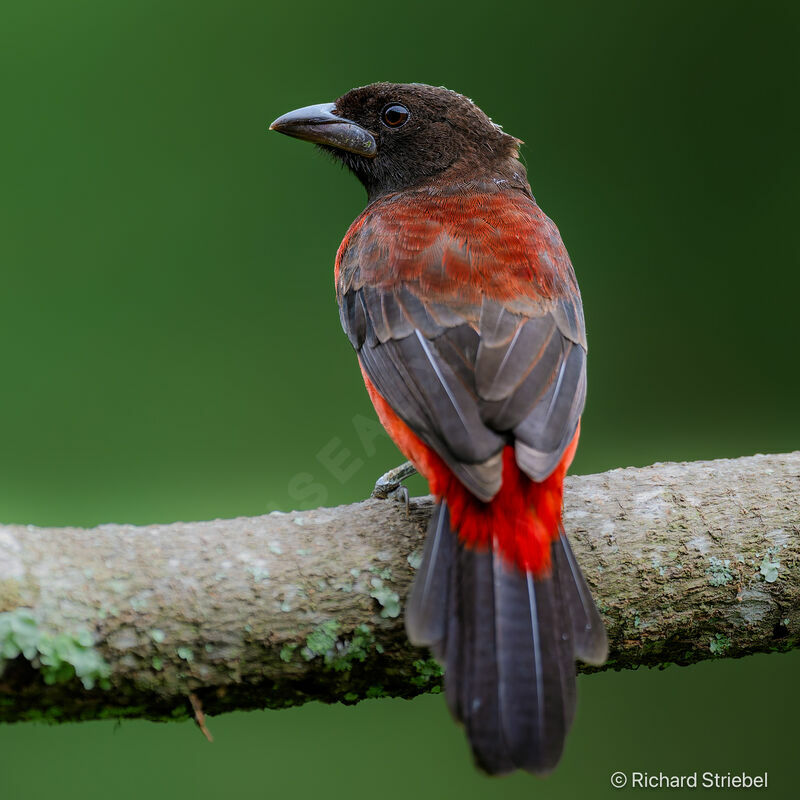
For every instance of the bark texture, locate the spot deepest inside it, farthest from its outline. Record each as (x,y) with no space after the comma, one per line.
(686,562)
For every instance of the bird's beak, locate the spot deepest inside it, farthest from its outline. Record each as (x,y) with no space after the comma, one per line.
(320,125)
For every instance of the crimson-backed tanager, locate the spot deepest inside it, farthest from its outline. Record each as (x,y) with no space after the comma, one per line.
(460,300)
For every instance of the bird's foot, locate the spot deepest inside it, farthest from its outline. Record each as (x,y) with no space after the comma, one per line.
(399,495)
(390,485)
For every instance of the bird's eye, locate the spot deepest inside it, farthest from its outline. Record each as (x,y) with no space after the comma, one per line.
(395,115)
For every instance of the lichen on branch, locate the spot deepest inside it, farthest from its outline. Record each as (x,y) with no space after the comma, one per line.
(686,562)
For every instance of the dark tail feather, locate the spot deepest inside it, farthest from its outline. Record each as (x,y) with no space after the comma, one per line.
(426,613)
(508,643)
(536,667)
(588,632)
(477,685)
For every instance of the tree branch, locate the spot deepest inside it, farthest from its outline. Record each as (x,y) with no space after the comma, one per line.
(686,561)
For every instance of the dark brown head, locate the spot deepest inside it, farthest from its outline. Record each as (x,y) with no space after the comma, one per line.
(397,136)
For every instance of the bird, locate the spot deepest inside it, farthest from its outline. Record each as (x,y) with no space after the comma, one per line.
(459,297)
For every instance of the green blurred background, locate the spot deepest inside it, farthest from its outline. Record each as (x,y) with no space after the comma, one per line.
(170,346)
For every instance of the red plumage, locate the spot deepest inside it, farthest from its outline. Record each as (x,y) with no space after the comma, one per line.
(459,248)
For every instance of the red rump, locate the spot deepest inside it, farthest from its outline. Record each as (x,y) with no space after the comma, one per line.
(520,521)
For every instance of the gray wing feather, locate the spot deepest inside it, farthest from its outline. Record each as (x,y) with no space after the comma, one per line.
(499,370)
(544,434)
(442,412)
(468,382)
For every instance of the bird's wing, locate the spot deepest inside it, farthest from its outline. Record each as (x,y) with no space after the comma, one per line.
(468,323)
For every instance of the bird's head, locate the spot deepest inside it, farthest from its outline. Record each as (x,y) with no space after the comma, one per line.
(397,136)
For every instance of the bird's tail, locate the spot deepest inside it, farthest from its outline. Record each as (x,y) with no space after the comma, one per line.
(508,640)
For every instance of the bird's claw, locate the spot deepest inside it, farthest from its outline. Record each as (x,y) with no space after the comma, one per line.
(390,485)
(399,495)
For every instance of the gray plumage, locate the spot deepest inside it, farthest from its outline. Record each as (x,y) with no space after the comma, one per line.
(469,382)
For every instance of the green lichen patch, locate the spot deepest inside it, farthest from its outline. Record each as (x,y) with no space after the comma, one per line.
(389,600)
(428,670)
(414,559)
(58,657)
(719,644)
(321,640)
(384,573)
(260,574)
(356,649)
(770,565)
(185,654)
(719,572)
(287,651)
(338,654)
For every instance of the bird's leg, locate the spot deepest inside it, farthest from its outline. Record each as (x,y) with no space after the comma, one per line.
(400,494)
(390,484)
